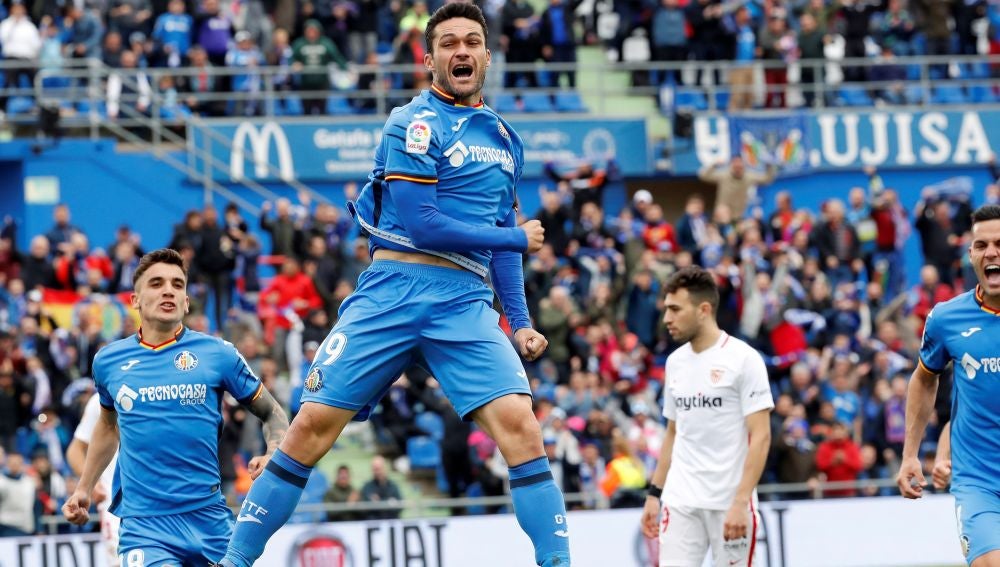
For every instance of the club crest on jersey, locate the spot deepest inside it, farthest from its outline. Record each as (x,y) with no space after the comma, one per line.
(716,375)
(185,361)
(314,381)
(418,137)
(502,130)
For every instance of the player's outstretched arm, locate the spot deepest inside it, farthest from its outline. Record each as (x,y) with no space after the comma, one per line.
(942,462)
(759,429)
(103,445)
(268,410)
(431,229)
(919,404)
(651,510)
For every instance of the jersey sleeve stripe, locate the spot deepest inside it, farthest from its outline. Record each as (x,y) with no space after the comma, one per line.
(411,178)
(253,398)
(927,368)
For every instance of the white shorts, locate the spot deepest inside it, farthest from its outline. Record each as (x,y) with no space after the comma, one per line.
(110,524)
(687,533)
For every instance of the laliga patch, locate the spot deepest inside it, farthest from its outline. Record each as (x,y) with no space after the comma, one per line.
(418,137)
(185,361)
(314,381)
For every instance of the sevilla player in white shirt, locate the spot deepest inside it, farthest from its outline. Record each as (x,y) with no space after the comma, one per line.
(718,402)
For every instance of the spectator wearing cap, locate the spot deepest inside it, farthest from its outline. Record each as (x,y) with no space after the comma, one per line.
(21,43)
(17,497)
(734,183)
(245,55)
(311,54)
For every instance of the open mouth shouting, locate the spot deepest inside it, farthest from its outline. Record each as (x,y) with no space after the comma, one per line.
(992,273)
(168,306)
(462,72)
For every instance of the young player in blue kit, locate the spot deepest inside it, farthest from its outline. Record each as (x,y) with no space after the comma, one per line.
(964,330)
(440,210)
(161,400)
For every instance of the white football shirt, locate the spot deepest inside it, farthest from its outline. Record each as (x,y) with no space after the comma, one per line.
(708,395)
(85,431)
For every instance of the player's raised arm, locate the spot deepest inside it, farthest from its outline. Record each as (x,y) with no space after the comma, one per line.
(507,274)
(268,410)
(103,445)
(919,405)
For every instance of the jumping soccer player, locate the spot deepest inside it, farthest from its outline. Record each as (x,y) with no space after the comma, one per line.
(964,330)
(161,398)
(716,398)
(440,210)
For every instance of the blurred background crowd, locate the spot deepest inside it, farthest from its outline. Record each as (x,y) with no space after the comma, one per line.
(316,44)
(819,293)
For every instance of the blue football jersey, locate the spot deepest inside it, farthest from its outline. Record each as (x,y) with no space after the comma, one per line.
(472,154)
(169,403)
(965,331)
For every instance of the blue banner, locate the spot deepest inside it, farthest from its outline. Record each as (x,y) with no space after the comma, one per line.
(335,150)
(843,139)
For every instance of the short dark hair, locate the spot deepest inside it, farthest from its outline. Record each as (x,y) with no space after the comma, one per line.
(161,256)
(700,285)
(986,213)
(448,12)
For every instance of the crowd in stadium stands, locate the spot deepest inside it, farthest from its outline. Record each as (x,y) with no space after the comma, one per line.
(299,37)
(819,292)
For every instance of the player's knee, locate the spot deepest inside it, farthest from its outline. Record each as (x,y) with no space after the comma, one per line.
(519,433)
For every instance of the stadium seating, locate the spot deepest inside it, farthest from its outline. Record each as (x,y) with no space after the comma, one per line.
(338,106)
(569,101)
(853,96)
(423,452)
(537,102)
(504,102)
(430,423)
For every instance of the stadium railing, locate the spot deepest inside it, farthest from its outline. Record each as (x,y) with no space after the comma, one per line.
(421,507)
(79,90)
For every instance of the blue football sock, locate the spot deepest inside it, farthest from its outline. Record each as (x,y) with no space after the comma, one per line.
(541,511)
(272,499)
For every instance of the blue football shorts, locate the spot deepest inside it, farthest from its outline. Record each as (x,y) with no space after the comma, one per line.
(192,538)
(403,314)
(978,512)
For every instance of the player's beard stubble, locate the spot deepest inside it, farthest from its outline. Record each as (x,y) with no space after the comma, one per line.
(443,81)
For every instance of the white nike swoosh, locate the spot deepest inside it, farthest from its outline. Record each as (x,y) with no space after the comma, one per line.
(245,518)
